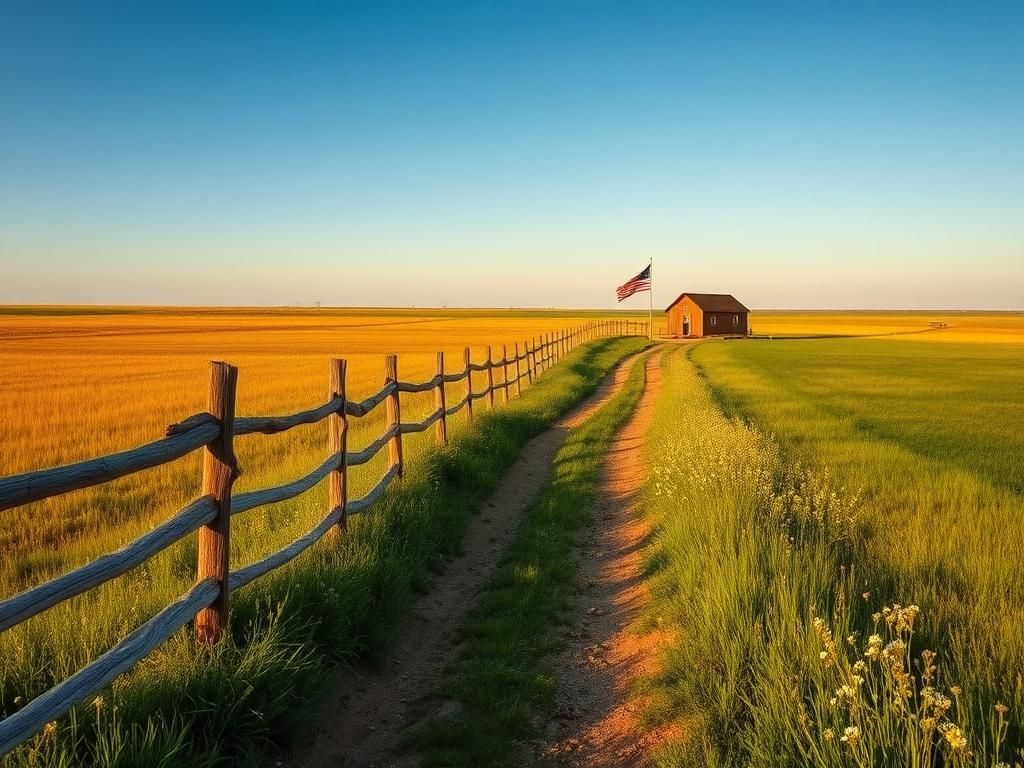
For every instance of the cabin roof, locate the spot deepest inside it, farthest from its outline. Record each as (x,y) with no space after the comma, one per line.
(712,302)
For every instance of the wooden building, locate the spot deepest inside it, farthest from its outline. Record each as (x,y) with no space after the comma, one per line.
(706,314)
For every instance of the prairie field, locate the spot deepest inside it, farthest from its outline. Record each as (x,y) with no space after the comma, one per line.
(830,511)
(852,479)
(83,383)
(128,374)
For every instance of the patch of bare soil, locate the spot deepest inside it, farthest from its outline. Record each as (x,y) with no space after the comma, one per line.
(597,719)
(366,711)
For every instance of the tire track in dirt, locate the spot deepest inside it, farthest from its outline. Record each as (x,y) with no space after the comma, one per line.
(597,718)
(366,711)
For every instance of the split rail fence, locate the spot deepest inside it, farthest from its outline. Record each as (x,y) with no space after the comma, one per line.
(206,603)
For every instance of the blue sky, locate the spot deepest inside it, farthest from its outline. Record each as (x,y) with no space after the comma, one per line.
(512,154)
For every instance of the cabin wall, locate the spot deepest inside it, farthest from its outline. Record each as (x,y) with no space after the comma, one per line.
(725,324)
(675,318)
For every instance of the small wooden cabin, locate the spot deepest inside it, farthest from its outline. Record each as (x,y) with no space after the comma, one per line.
(706,314)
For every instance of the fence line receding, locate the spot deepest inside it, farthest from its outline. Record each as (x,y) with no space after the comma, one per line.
(206,603)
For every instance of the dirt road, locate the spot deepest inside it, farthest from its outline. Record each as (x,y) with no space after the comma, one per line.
(365,714)
(596,723)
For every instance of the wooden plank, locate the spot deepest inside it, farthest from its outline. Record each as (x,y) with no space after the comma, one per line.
(269,425)
(337,445)
(409,427)
(361,505)
(355,458)
(27,487)
(250,573)
(220,469)
(425,386)
(452,410)
(88,681)
(394,412)
(243,502)
(441,428)
(367,405)
(27,604)
(526,356)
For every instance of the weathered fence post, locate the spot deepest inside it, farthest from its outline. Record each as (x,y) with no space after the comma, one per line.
(519,374)
(529,368)
(469,382)
(441,425)
(394,412)
(337,444)
(504,370)
(220,469)
(490,379)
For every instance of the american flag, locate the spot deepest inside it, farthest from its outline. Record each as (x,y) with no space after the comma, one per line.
(641,282)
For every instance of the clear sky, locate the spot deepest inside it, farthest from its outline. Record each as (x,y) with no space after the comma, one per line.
(512,154)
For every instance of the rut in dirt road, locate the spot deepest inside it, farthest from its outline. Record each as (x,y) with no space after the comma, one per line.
(364,717)
(596,723)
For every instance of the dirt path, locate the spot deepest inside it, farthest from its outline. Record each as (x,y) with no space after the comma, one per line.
(596,724)
(363,718)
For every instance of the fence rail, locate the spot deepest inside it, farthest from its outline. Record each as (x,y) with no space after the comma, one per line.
(207,602)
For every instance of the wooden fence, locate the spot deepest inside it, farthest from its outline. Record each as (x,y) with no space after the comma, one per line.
(214,431)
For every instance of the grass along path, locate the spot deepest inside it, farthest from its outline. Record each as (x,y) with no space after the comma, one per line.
(336,603)
(502,682)
(367,709)
(756,569)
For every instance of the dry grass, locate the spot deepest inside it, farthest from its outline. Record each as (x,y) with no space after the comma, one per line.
(976,327)
(79,385)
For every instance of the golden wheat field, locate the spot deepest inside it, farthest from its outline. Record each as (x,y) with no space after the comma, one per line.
(79,384)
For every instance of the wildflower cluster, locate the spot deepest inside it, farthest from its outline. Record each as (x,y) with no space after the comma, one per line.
(872,698)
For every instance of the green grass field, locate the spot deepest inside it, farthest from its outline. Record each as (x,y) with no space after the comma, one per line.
(832,478)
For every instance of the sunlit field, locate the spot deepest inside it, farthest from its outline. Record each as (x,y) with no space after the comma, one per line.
(81,385)
(834,479)
(975,327)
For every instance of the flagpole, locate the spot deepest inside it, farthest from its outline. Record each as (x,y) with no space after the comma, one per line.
(650,309)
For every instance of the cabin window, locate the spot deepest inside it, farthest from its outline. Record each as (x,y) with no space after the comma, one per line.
(714,320)
(735,320)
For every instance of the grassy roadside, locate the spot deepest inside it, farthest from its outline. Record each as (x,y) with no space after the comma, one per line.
(780,655)
(337,602)
(502,679)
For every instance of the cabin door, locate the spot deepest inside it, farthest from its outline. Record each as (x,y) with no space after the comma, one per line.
(686,324)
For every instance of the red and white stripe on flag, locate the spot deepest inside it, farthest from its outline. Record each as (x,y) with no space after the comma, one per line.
(638,284)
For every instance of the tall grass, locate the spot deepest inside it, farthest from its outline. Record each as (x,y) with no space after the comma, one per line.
(337,602)
(758,571)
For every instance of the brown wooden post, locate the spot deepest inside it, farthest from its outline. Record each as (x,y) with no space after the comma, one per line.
(441,425)
(519,374)
(394,411)
(219,472)
(490,379)
(529,366)
(337,444)
(469,383)
(504,370)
